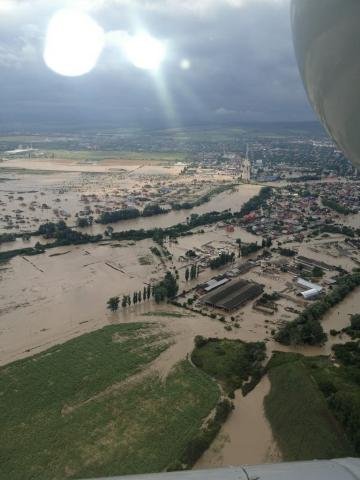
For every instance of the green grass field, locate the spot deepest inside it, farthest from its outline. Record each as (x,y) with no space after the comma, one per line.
(75,411)
(230,362)
(301,420)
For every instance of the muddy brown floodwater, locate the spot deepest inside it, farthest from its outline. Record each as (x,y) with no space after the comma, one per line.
(50,298)
(246,437)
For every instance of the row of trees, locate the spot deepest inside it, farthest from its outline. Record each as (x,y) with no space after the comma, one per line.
(192,272)
(113,303)
(130,213)
(306,328)
(287,252)
(166,288)
(221,260)
(246,249)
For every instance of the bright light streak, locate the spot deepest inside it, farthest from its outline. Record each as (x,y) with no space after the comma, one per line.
(145,51)
(74,42)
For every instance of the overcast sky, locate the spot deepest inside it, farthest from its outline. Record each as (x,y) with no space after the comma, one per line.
(239,54)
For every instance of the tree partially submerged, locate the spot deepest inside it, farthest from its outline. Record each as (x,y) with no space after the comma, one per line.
(113,303)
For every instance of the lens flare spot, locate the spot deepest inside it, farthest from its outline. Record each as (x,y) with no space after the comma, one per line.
(145,51)
(185,64)
(73,43)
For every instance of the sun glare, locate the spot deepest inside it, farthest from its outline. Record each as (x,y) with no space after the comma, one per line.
(7,5)
(145,51)
(74,42)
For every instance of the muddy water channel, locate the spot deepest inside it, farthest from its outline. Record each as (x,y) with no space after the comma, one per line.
(246,438)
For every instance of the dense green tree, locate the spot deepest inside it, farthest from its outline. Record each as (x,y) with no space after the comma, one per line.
(153,209)
(187,274)
(250,248)
(238,241)
(193,272)
(113,303)
(118,215)
(124,301)
(223,259)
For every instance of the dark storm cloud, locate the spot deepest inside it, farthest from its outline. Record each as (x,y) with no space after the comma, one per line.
(240,52)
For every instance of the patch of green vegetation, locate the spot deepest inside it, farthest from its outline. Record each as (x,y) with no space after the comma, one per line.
(341,387)
(354,330)
(230,362)
(302,423)
(166,314)
(198,445)
(75,412)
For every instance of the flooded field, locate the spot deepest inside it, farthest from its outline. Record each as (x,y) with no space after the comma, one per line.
(34,196)
(49,298)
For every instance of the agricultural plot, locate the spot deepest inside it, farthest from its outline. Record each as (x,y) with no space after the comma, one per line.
(90,408)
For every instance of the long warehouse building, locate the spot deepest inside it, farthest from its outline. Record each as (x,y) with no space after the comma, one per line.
(233,295)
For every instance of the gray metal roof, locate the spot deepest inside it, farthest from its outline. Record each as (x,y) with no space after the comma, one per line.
(233,294)
(341,469)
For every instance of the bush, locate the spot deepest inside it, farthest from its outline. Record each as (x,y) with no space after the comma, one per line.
(200,341)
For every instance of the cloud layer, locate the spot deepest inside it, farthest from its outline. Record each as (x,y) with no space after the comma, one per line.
(228,61)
